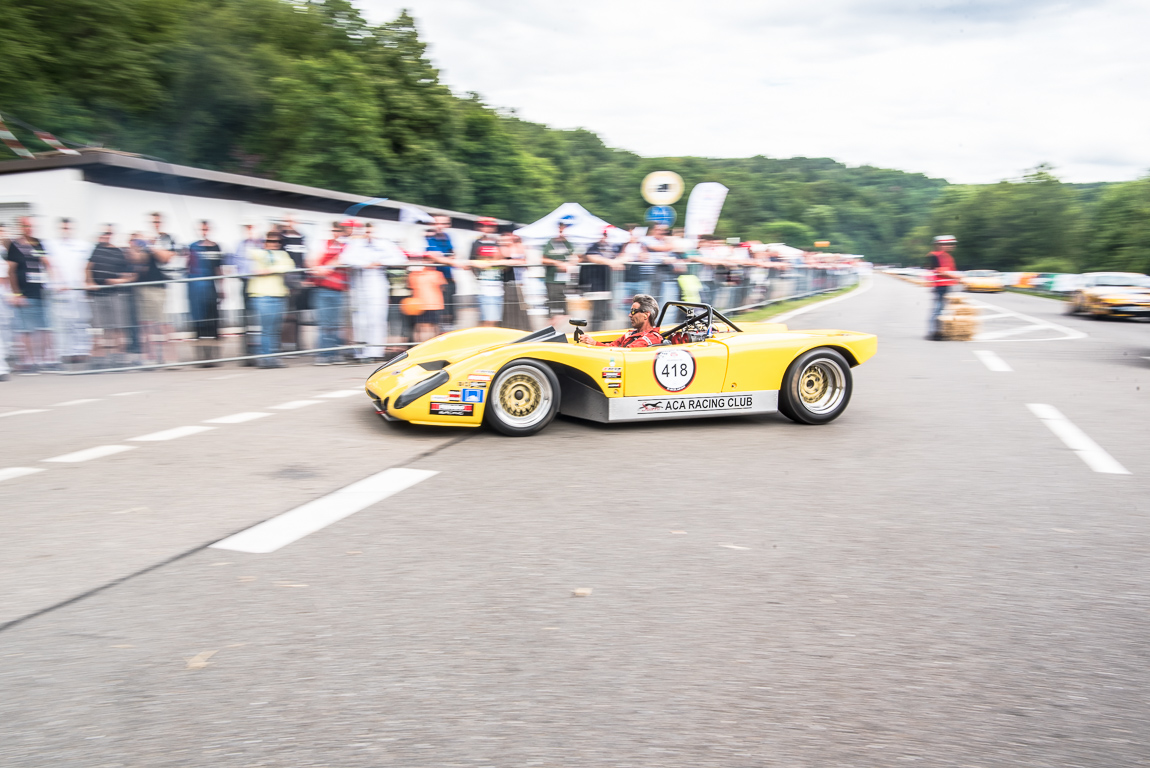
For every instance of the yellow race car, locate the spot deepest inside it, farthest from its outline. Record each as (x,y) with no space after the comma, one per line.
(1111,294)
(706,366)
(982,281)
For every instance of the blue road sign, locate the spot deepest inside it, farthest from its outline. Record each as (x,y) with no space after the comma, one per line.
(661,214)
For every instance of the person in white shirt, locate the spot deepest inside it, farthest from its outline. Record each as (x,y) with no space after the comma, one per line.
(71,315)
(370,255)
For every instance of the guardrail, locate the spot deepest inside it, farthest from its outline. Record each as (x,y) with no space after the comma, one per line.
(209,321)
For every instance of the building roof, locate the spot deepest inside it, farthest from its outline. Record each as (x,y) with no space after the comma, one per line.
(120,169)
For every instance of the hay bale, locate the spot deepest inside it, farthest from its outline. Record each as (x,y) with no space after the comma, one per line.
(954,327)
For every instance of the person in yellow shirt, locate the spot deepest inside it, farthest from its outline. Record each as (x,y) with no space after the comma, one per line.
(268,293)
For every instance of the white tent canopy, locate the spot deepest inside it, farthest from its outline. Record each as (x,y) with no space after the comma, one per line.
(585,227)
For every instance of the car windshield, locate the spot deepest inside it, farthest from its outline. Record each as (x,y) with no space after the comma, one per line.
(1119,280)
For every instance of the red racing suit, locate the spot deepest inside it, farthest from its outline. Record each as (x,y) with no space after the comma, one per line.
(633,338)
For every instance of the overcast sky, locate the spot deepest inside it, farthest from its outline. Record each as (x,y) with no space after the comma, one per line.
(971,90)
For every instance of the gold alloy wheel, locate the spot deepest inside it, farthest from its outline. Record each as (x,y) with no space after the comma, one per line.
(520,395)
(523,396)
(822,385)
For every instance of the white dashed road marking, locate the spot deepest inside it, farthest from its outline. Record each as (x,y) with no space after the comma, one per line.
(77,402)
(992,361)
(26,410)
(170,434)
(343,393)
(291,526)
(1077,440)
(11,473)
(98,452)
(294,404)
(238,418)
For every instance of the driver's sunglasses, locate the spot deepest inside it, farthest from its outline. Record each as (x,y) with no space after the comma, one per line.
(637,311)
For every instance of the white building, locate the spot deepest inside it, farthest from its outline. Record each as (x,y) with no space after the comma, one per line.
(99,187)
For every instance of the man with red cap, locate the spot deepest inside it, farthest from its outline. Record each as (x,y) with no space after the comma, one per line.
(942,276)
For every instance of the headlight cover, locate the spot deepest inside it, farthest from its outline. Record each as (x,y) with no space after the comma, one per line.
(392,361)
(416,391)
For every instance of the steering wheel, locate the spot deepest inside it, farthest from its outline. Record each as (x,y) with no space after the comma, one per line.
(690,321)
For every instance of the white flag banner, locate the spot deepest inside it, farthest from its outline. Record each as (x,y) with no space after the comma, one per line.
(703,208)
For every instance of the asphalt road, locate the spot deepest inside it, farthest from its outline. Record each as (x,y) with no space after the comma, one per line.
(936,577)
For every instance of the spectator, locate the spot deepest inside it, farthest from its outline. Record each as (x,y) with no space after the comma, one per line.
(488,265)
(108,273)
(69,305)
(330,294)
(636,273)
(5,307)
(205,258)
(656,270)
(559,257)
(371,256)
(595,278)
(426,302)
(238,262)
(514,254)
(268,295)
(441,252)
(156,262)
(298,283)
(29,271)
(943,274)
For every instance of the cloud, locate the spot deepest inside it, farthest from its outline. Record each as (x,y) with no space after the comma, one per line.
(971,91)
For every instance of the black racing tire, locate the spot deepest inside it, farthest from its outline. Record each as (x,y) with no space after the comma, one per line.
(523,398)
(816,387)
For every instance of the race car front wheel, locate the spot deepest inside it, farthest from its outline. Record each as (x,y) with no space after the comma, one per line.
(816,388)
(524,398)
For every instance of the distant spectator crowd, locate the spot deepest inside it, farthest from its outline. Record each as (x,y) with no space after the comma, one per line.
(353,295)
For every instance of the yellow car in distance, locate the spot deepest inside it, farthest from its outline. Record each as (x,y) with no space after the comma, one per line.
(982,281)
(707,366)
(1111,294)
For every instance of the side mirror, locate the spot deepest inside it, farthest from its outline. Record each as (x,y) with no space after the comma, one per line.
(578,323)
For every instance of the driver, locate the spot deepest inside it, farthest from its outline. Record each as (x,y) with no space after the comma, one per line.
(644,309)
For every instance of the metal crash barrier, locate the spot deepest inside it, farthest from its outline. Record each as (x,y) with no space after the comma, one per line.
(209,321)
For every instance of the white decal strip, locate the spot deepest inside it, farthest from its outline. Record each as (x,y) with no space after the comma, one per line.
(992,361)
(170,434)
(1077,440)
(98,452)
(238,418)
(291,526)
(294,404)
(11,473)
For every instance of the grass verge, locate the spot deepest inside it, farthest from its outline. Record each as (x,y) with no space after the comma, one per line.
(1043,294)
(766,313)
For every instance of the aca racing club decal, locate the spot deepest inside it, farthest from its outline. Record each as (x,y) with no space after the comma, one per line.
(674,369)
(697,404)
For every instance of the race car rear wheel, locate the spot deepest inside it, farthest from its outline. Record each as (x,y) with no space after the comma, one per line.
(816,388)
(523,399)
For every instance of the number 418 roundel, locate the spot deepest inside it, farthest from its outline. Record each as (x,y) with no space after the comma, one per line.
(674,369)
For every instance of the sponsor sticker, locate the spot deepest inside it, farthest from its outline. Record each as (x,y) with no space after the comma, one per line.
(705,403)
(473,395)
(614,384)
(440,399)
(452,409)
(612,375)
(613,369)
(453,395)
(480,377)
(484,373)
(674,369)
(472,384)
